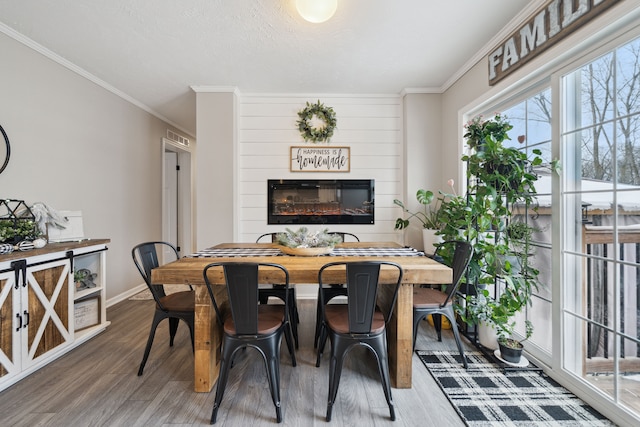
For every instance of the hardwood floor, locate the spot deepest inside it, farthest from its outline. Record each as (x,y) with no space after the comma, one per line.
(96,384)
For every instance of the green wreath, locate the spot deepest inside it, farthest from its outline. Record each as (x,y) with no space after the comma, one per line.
(316,134)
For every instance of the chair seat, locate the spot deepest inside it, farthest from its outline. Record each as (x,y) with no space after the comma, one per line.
(179,301)
(270,317)
(337,316)
(429,298)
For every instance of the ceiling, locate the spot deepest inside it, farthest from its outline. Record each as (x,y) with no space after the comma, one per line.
(153,51)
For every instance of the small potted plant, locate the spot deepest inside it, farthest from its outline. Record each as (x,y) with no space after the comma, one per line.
(498,315)
(78,277)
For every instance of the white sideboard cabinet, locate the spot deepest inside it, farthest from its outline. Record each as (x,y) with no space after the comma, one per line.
(42,312)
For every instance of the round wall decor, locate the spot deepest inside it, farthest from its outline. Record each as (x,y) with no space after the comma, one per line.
(316,134)
(5,150)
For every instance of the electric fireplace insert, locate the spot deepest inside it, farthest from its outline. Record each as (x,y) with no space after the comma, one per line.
(321,201)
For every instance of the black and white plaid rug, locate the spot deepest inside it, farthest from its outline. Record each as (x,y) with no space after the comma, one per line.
(484,395)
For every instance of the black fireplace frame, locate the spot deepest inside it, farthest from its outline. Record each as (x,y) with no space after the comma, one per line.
(354,201)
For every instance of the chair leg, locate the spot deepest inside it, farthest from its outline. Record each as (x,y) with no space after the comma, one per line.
(322,341)
(335,371)
(173,328)
(294,318)
(417,317)
(157,318)
(316,336)
(437,324)
(272,362)
(288,337)
(228,352)
(451,316)
(379,346)
(191,332)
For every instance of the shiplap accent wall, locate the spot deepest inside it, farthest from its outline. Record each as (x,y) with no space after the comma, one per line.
(370,125)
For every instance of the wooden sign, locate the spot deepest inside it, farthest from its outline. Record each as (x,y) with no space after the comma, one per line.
(550,24)
(320,159)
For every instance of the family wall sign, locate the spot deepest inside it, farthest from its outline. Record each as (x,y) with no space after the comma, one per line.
(550,24)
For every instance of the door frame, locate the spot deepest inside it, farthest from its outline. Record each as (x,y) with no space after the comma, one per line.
(186,198)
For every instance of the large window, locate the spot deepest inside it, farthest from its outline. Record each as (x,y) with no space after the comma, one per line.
(530,115)
(600,146)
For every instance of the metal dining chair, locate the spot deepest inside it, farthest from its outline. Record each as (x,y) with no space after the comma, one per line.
(330,291)
(358,322)
(437,303)
(277,291)
(247,323)
(175,307)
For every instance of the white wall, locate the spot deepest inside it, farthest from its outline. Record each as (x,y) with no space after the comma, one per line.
(215,163)
(76,146)
(422,156)
(370,125)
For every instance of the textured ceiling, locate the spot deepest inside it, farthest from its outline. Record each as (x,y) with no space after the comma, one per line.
(154,50)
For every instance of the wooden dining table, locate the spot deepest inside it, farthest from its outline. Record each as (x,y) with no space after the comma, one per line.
(418,269)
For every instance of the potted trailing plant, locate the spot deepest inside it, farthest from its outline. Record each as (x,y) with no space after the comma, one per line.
(429,215)
(501,187)
(498,315)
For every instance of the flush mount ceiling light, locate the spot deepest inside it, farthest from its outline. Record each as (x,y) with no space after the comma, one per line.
(316,11)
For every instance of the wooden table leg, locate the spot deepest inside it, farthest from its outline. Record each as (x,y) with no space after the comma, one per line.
(401,338)
(206,342)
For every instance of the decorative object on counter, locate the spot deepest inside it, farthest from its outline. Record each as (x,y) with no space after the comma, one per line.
(303,242)
(84,278)
(5,248)
(17,222)
(25,245)
(39,243)
(313,113)
(46,216)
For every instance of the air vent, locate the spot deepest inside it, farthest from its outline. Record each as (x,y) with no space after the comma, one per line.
(177,138)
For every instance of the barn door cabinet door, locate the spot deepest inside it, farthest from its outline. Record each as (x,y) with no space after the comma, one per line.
(46,297)
(34,314)
(9,351)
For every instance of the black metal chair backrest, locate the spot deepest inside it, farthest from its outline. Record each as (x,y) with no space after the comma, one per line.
(242,289)
(145,257)
(272,237)
(462,253)
(362,292)
(343,235)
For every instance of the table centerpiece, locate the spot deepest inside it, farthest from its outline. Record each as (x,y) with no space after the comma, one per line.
(303,242)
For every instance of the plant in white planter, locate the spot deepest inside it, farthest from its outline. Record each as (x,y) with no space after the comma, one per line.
(429,216)
(499,315)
